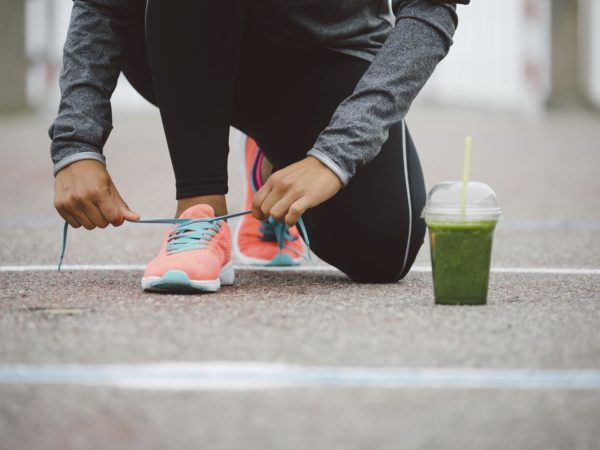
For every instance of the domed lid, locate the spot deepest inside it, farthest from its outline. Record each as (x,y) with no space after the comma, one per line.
(445,200)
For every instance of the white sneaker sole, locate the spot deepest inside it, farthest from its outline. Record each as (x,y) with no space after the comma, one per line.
(177,281)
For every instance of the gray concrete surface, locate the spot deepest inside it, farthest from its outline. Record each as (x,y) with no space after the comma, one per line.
(545,174)
(335,419)
(532,321)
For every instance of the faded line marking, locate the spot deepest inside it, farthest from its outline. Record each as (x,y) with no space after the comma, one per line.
(73,267)
(307,268)
(181,376)
(548,225)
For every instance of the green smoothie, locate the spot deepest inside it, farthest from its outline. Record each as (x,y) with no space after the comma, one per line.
(460,256)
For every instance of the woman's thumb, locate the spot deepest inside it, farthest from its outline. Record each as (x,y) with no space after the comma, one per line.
(128,214)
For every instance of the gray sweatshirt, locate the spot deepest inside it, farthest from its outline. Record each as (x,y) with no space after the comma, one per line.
(403,39)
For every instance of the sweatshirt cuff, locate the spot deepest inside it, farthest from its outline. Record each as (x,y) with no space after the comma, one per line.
(332,165)
(78,157)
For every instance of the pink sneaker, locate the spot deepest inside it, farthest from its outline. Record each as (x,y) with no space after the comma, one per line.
(266,242)
(195,256)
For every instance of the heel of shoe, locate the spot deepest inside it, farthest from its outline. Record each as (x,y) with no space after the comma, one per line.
(227,275)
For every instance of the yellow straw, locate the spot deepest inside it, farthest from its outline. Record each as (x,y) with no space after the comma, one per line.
(466,171)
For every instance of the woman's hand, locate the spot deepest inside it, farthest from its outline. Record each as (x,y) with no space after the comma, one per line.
(289,192)
(84,194)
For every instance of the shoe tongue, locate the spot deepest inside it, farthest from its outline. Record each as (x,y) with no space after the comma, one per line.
(198,212)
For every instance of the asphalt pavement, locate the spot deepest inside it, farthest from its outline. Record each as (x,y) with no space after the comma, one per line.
(543,313)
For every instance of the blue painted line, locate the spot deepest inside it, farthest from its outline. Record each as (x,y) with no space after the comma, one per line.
(206,376)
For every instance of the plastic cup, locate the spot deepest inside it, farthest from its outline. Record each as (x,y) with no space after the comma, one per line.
(460,238)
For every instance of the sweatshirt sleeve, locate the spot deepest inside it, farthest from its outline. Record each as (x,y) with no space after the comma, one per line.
(91,67)
(359,127)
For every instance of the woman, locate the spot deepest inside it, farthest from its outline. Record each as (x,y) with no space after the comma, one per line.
(321,87)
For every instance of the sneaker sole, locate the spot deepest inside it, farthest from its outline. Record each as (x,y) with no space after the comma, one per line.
(177,281)
(280,260)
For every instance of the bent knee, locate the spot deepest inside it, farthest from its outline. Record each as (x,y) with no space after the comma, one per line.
(383,276)
(374,263)
(374,270)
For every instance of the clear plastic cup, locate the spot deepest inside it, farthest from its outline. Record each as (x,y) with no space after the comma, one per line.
(461,241)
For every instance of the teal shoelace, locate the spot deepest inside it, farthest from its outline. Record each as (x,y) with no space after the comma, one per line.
(272,230)
(192,234)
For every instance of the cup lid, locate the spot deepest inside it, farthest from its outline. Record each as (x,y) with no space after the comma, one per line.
(445,199)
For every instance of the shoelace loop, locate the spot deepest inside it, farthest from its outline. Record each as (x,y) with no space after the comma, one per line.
(196,233)
(192,235)
(272,230)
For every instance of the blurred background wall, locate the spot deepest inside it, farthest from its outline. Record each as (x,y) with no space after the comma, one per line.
(519,55)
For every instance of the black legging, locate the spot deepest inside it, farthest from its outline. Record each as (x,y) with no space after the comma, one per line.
(208,66)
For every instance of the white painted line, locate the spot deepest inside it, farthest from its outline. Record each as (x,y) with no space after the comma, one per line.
(548,225)
(304,268)
(546,270)
(72,267)
(127,267)
(504,225)
(200,376)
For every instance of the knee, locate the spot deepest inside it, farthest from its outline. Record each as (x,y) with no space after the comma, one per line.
(375,274)
(372,267)
(379,264)
(383,259)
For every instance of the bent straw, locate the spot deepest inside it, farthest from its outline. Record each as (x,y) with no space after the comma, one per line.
(466,172)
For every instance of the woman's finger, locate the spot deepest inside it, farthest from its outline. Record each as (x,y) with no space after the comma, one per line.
(125,211)
(114,209)
(68,217)
(270,200)
(111,210)
(258,200)
(296,210)
(128,214)
(280,209)
(95,215)
(82,218)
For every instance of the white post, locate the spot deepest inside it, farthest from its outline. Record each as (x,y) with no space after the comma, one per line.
(566,54)
(13,64)
(589,24)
